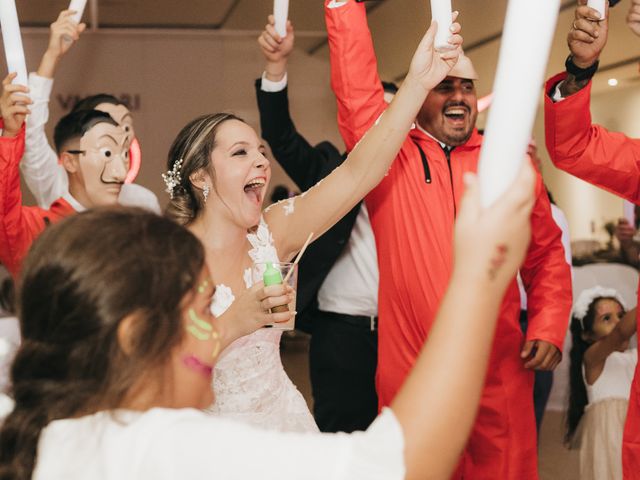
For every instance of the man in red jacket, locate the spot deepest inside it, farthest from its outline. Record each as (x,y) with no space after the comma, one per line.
(412,213)
(91,146)
(606,159)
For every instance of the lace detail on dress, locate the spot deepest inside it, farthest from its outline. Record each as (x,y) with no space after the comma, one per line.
(249,382)
(263,251)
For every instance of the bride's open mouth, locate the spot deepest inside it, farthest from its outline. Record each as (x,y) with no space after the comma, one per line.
(254,189)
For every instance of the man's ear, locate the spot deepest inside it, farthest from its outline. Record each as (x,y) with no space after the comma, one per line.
(70,162)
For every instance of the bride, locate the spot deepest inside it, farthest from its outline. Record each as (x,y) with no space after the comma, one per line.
(218,176)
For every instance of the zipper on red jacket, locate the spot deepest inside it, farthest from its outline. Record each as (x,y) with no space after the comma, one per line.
(425,164)
(447,153)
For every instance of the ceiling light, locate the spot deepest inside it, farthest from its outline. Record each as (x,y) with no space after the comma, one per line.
(612,82)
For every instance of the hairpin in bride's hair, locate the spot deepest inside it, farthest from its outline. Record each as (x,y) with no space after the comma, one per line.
(173,178)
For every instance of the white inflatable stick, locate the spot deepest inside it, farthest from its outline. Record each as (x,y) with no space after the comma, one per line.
(528,33)
(281,13)
(12,41)
(598,5)
(441,13)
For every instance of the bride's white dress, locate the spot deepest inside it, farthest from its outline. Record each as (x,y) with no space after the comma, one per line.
(249,382)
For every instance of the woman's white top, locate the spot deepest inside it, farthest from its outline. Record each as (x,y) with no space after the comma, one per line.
(189,444)
(616,377)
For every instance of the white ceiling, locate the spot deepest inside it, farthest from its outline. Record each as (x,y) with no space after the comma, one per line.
(396,25)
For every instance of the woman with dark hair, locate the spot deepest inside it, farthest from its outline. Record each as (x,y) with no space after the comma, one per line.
(600,375)
(119,347)
(218,177)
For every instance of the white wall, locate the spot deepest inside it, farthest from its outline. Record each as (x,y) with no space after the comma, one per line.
(179,76)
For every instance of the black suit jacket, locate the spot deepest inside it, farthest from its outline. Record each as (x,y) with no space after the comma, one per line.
(306,165)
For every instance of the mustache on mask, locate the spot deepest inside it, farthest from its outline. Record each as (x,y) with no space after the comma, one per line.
(109,182)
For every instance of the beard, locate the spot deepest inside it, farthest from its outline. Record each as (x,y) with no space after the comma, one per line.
(456,138)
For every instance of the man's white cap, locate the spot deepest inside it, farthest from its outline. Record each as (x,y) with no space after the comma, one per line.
(464,68)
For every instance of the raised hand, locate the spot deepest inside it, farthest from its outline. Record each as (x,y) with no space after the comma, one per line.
(633,17)
(13,106)
(430,67)
(588,35)
(250,311)
(276,49)
(64,33)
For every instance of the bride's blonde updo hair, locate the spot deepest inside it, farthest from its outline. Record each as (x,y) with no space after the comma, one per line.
(190,152)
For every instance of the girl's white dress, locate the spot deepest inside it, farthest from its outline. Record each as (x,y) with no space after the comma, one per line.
(249,381)
(603,422)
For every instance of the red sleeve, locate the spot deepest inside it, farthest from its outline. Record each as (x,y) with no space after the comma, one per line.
(607,159)
(354,70)
(546,275)
(18,225)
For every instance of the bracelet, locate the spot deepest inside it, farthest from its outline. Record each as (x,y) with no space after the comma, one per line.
(580,74)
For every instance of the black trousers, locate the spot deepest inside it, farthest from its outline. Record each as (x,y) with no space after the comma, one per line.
(342,364)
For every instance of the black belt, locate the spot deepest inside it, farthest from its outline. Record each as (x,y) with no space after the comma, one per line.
(370,323)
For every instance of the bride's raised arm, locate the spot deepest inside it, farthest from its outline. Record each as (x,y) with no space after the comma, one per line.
(319,208)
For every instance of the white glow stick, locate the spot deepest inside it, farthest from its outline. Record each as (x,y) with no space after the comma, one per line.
(12,41)
(78,7)
(598,5)
(629,210)
(441,13)
(524,52)
(281,13)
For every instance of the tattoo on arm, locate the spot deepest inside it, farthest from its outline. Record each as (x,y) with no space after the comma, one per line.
(498,260)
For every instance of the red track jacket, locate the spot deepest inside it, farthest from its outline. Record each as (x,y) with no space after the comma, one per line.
(611,161)
(412,213)
(20,225)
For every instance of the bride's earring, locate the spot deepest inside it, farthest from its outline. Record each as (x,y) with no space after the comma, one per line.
(205,192)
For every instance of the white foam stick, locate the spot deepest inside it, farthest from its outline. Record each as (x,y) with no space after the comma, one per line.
(526,41)
(12,41)
(629,210)
(78,7)
(598,5)
(281,13)
(441,13)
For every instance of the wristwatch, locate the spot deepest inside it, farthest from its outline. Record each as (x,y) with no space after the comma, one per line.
(580,74)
